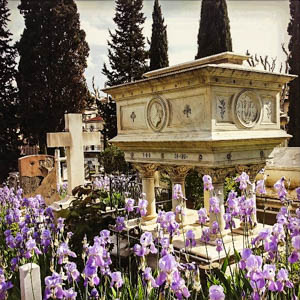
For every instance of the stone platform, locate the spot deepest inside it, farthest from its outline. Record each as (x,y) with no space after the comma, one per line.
(208,251)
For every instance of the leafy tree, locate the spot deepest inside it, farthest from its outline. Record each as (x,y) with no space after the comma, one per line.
(53,54)
(294,63)
(214,31)
(9,141)
(159,41)
(126,53)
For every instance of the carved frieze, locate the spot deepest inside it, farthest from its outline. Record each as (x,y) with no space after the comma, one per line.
(251,170)
(218,175)
(177,173)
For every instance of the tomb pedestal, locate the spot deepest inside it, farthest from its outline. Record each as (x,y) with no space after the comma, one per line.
(147,173)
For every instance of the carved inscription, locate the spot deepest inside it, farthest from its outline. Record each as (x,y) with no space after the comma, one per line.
(146,155)
(180,156)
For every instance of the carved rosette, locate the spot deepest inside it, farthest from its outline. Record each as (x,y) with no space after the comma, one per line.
(251,170)
(177,173)
(247,109)
(217,175)
(146,170)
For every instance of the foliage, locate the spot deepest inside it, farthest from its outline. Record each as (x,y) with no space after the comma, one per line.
(126,53)
(53,57)
(194,189)
(107,111)
(266,268)
(159,42)
(9,141)
(113,161)
(294,63)
(213,37)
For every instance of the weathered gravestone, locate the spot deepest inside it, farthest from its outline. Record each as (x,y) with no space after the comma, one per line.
(38,176)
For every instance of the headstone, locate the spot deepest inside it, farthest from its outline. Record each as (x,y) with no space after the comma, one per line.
(30,282)
(33,169)
(74,140)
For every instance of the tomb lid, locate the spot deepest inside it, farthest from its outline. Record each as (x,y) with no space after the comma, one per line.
(224,57)
(226,64)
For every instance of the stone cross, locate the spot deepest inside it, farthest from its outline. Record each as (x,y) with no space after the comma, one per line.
(74,140)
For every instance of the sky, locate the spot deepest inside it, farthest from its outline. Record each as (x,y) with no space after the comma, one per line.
(257,26)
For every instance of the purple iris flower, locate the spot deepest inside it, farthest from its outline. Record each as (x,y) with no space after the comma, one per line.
(63,252)
(219,245)
(167,265)
(190,239)
(245,254)
(54,288)
(147,245)
(177,192)
(129,204)
(142,207)
(94,294)
(215,229)
(283,280)
(260,187)
(60,224)
(243,179)
(214,205)
(229,222)
(202,215)
(72,272)
(179,287)
(70,294)
(216,292)
(4,285)
(120,225)
(280,188)
(205,237)
(296,242)
(116,279)
(149,278)
(31,248)
(207,182)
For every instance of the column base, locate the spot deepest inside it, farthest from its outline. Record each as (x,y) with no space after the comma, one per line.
(148,220)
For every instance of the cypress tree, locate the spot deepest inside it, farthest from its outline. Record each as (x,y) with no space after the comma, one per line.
(53,54)
(126,53)
(159,41)
(214,31)
(9,141)
(294,63)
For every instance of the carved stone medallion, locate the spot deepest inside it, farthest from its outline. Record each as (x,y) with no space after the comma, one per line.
(247,109)
(157,112)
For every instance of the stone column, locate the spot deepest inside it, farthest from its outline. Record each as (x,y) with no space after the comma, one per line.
(252,171)
(218,176)
(147,174)
(177,175)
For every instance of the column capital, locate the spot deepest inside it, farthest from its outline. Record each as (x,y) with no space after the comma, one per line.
(251,170)
(146,170)
(177,173)
(217,175)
